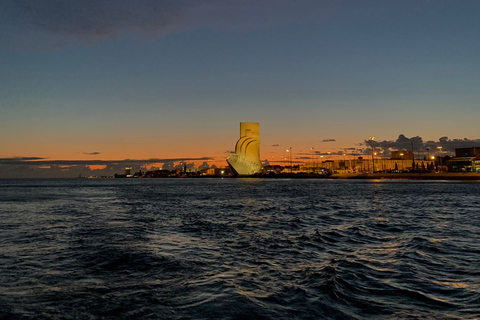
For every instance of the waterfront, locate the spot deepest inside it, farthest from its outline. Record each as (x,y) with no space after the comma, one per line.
(446,176)
(239,248)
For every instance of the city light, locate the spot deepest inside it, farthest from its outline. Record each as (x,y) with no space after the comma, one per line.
(373,154)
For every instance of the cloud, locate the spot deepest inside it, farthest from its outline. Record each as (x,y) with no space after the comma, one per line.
(204,165)
(34,162)
(54,24)
(91,153)
(444,144)
(20,159)
(328,140)
(101,18)
(44,24)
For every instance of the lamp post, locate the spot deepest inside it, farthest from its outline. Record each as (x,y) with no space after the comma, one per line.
(311,157)
(441,158)
(373,159)
(354,164)
(290,158)
(327,159)
(291,164)
(382,159)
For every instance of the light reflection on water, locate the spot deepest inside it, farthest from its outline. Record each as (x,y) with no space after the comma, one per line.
(247,248)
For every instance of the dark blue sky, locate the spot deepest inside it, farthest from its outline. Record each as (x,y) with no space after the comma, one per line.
(140,79)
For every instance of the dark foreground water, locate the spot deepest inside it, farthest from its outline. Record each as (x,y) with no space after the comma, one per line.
(239,249)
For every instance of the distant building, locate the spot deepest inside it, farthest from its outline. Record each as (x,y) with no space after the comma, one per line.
(402,155)
(465,160)
(273,169)
(476,164)
(159,174)
(128,173)
(224,171)
(367,165)
(467,152)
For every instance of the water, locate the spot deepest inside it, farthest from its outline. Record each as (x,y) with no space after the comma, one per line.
(239,249)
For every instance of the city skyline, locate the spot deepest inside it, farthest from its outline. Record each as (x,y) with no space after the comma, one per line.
(37,167)
(109,81)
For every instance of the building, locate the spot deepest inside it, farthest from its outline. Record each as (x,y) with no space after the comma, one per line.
(467,152)
(476,164)
(128,173)
(220,172)
(361,165)
(402,155)
(246,159)
(465,160)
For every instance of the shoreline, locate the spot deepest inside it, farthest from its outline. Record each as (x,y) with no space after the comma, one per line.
(446,176)
(410,176)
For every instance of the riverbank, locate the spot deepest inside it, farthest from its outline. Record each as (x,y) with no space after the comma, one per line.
(410,176)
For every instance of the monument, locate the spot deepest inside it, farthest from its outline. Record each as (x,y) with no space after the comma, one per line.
(246,159)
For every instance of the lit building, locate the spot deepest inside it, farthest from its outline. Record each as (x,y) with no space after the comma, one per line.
(246,160)
(465,160)
(402,155)
(361,165)
(223,171)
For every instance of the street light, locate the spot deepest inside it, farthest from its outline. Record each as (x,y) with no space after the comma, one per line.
(373,159)
(313,164)
(441,158)
(382,154)
(290,158)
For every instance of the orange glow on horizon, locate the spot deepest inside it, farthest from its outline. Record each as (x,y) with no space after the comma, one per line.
(97,167)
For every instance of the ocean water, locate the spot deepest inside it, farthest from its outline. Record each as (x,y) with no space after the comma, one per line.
(239,249)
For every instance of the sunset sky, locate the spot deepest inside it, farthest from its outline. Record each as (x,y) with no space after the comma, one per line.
(106,80)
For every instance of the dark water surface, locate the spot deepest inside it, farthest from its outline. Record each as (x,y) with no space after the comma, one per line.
(239,249)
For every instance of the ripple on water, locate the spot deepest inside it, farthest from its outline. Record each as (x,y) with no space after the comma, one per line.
(239,249)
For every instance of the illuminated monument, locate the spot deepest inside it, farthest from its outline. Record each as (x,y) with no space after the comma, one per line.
(246,160)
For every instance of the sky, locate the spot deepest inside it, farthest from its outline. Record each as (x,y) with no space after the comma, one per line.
(102,80)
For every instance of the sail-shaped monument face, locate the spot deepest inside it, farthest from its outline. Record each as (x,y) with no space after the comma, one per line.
(246,160)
